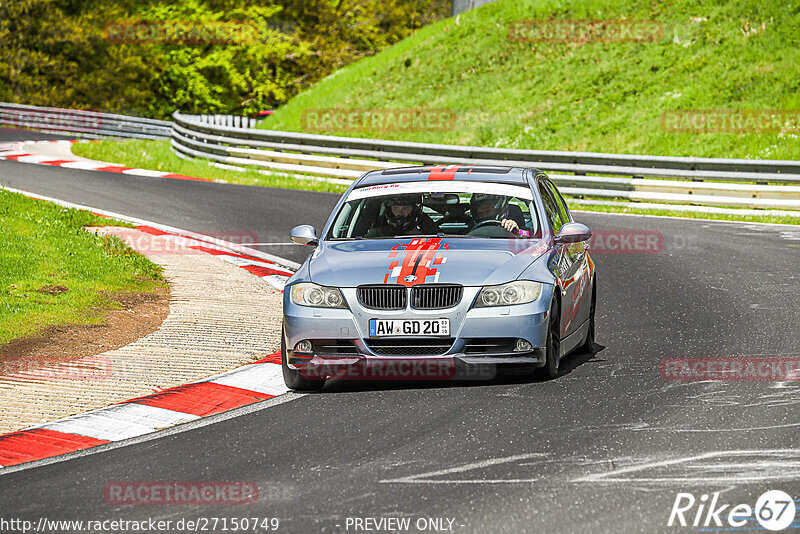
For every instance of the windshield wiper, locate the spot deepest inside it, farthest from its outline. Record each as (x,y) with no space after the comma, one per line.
(454,235)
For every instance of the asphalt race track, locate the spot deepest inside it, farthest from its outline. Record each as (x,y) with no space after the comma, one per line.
(232,212)
(605,447)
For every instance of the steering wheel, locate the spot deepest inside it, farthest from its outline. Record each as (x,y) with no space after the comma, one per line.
(488,222)
(491,233)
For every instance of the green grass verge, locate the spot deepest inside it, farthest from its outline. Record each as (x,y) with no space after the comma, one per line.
(54,273)
(157,155)
(600,97)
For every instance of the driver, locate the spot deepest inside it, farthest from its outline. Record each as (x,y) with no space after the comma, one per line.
(485,207)
(402,215)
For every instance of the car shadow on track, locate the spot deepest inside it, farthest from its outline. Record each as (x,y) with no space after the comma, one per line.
(568,364)
(573,361)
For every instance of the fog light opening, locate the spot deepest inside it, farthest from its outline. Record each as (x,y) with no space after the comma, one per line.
(522,346)
(303,346)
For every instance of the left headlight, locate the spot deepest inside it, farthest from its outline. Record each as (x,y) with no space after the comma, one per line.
(308,294)
(518,292)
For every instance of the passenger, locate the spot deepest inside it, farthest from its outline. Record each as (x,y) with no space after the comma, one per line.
(484,207)
(403,215)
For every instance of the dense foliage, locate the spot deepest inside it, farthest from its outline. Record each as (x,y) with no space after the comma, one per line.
(581,94)
(59,52)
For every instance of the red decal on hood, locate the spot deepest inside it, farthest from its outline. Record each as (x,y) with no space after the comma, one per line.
(418,262)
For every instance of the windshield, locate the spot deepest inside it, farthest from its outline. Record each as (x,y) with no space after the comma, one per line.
(468,209)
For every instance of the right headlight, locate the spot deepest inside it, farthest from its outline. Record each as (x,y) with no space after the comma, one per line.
(317,296)
(517,292)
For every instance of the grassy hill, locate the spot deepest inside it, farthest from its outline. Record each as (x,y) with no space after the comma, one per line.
(594,96)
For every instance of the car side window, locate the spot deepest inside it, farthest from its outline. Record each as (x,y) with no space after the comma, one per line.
(563,210)
(550,207)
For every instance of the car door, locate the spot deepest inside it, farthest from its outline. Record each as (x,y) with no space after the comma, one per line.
(578,276)
(559,262)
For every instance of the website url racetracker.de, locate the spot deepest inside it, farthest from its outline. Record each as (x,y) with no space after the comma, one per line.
(199,524)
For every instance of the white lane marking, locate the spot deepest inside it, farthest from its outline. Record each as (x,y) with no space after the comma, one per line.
(171,431)
(243,262)
(145,172)
(36,158)
(264,378)
(693,219)
(120,421)
(780,464)
(14,145)
(276,280)
(287,244)
(424,478)
(282,262)
(747,429)
(790,235)
(184,241)
(85,165)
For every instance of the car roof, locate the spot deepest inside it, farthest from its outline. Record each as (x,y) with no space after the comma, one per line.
(478,173)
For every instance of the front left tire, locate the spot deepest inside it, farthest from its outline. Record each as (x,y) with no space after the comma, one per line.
(553,349)
(588,344)
(294,379)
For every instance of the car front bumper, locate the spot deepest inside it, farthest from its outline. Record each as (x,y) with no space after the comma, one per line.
(479,337)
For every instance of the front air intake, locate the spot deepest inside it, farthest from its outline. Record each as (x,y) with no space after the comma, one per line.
(436,296)
(382,297)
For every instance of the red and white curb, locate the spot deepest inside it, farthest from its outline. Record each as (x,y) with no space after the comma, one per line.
(249,384)
(246,385)
(17,152)
(267,270)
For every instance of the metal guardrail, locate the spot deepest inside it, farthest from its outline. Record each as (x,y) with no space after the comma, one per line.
(703,181)
(232,140)
(462,6)
(234,121)
(82,123)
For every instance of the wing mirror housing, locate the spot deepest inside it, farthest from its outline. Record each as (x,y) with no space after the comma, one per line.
(573,233)
(305,234)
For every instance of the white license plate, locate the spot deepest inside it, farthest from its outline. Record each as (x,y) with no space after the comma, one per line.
(409,327)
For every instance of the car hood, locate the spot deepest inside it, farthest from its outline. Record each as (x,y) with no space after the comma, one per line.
(412,261)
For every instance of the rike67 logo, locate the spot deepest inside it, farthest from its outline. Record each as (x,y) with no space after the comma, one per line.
(774,510)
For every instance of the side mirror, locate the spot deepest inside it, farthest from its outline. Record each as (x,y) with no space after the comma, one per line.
(304,235)
(573,233)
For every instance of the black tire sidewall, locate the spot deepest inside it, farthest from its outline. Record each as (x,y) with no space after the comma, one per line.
(550,369)
(292,378)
